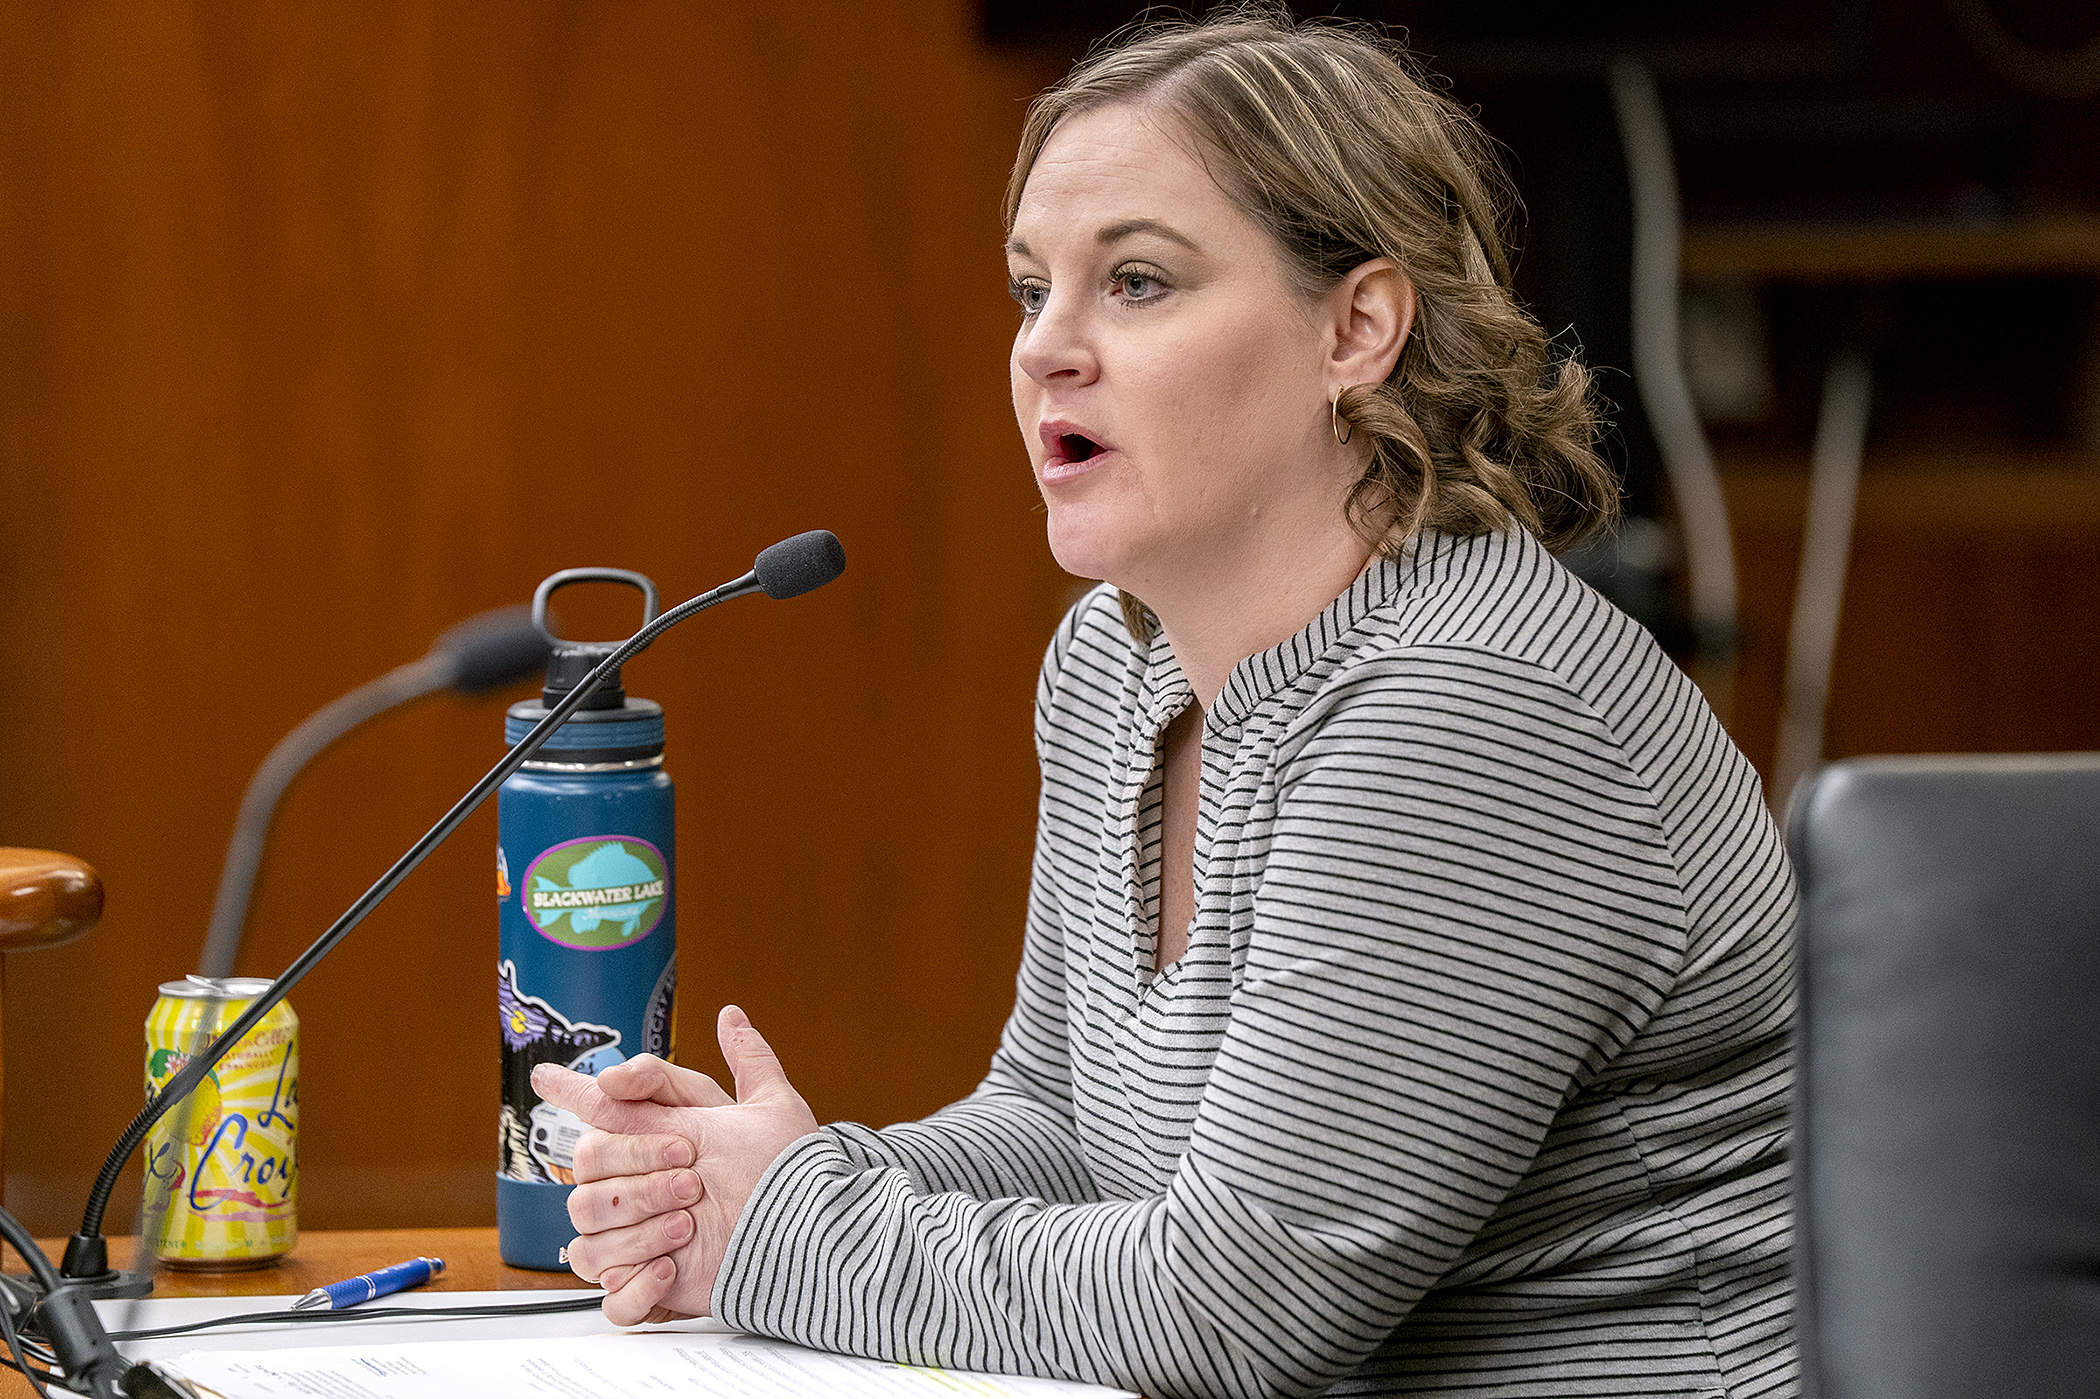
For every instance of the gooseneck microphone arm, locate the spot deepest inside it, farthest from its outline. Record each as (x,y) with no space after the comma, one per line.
(484,653)
(784,570)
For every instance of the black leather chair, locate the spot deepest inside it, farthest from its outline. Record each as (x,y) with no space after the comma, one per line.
(1947,1175)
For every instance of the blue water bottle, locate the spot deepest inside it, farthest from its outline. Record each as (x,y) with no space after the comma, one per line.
(587,968)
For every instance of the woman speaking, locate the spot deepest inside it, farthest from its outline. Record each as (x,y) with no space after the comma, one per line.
(1405,992)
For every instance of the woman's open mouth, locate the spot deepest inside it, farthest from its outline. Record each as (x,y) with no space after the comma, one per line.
(1069,452)
(1078,446)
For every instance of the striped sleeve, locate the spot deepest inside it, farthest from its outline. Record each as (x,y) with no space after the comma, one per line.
(1466,907)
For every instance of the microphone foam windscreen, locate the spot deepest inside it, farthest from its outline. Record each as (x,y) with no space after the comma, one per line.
(495,650)
(794,566)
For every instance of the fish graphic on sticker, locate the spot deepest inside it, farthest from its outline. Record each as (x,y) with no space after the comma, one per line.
(597,893)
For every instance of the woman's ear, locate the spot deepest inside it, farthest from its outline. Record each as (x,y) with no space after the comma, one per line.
(1374,310)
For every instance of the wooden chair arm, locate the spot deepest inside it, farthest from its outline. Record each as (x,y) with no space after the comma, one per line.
(45,898)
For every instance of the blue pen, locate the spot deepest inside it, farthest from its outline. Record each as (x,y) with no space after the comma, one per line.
(414,1273)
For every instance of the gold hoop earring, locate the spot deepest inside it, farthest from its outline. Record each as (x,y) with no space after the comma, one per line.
(1335,414)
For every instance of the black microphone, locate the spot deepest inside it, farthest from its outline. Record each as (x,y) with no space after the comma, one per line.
(480,654)
(787,569)
(493,651)
(795,566)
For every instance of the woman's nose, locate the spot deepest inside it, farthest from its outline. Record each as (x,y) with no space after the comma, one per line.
(1057,345)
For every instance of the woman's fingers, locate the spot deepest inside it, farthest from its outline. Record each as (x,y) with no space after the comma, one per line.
(640,1297)
(615,1278)
(641,1201)
(591,1254)
(580,1094)
(621,1200)
(605,1155)
(648,1078)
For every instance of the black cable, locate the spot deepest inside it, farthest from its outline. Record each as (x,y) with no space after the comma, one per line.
(570,1304)
(19,1292)
(36,1377)
(24,1243)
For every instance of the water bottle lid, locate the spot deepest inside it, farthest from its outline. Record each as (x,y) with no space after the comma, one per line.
(571,661)
(633,732)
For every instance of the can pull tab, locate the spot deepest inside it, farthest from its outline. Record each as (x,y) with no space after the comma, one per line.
(572,660)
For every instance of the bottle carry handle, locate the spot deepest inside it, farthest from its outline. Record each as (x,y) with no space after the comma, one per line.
(554,582)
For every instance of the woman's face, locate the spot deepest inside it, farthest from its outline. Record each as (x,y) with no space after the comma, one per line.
(1171,384)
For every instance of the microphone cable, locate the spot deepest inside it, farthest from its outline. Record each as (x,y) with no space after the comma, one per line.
(16,1293)
(40,1377)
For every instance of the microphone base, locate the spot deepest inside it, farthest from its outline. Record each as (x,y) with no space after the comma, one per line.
(113,1284)
(87,1267)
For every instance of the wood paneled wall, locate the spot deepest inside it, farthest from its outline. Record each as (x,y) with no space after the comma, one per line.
(325,325)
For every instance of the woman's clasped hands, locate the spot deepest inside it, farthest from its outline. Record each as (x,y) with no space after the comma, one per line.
(664,1176)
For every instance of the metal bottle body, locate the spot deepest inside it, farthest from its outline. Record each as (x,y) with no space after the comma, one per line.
(587,965)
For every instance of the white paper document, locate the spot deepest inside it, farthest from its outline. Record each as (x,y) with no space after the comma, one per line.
(358,1326)
(691,1359)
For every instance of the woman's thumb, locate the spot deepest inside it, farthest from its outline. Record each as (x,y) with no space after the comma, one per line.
(751,1060)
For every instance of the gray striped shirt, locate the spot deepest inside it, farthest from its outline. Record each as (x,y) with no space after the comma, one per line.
(1473,1079)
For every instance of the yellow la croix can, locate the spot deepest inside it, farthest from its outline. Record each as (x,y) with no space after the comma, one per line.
(226,1161)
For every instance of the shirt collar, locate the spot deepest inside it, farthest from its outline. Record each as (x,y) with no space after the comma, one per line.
(1266,673)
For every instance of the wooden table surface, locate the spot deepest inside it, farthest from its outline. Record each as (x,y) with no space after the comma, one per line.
(324,1256)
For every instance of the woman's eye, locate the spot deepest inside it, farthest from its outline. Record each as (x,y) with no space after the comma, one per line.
(1030,295)
(1140,286)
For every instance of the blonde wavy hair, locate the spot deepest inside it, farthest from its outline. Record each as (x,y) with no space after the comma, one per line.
(1327,136)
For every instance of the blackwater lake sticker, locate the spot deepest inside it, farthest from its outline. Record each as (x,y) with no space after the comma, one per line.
(597,893)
